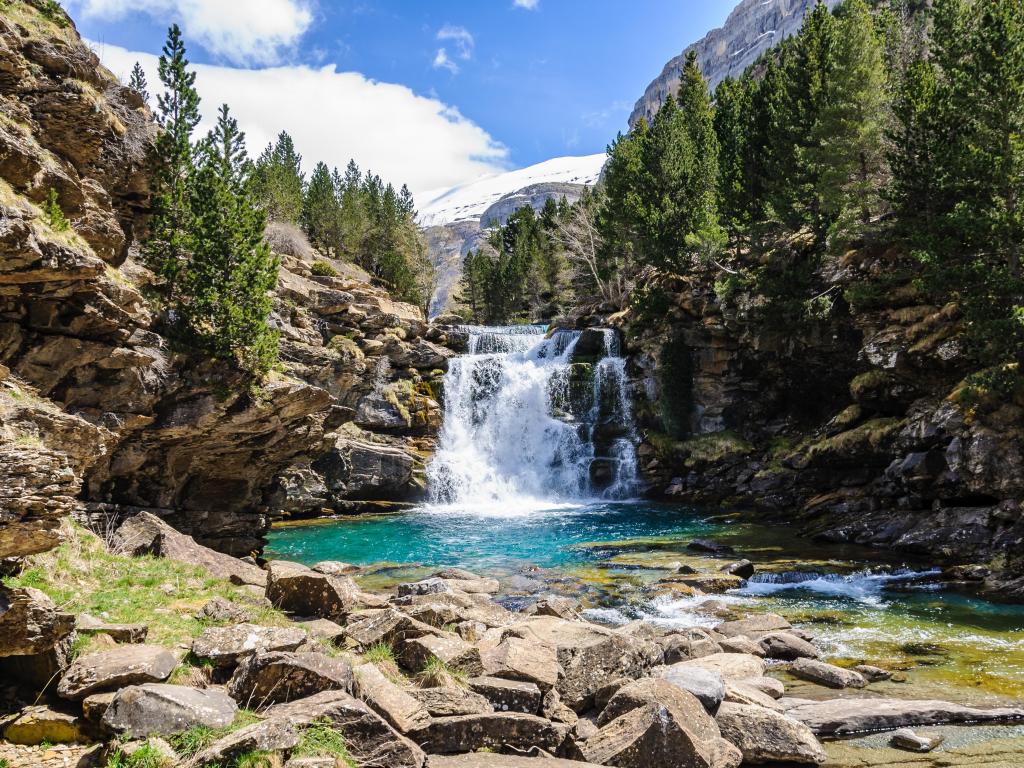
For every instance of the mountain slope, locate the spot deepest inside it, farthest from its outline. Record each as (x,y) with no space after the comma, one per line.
(455,220)
(752,28)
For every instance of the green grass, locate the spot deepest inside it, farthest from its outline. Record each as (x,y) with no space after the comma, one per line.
(437,674)
(82,576)
(194,740)
(254,759)
(321,740)
(4,763)
(146,756)
(380,653)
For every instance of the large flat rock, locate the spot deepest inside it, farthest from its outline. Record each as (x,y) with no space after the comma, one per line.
(488,760)
(109,670)
(838,717)
(153,709)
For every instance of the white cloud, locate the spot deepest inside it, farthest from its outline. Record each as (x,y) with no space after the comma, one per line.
(256,32)
(529,5)
(442,61)
(334,116)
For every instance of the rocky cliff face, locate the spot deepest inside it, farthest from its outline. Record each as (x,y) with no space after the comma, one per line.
(753,27)
(855,425)
(100,413)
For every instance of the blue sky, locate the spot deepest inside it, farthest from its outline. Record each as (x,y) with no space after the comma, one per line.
(530,79)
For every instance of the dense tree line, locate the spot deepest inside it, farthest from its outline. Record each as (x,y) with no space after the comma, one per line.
(352,216)
(211,204)
(519,274)
(901,122)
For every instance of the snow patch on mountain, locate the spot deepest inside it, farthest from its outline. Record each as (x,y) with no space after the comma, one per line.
(469,201)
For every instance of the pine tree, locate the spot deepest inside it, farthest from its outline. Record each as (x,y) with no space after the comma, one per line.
(733,111)
(320,211)
(847,148)
(224,293)
(138,83)
(278,180)
(174,164)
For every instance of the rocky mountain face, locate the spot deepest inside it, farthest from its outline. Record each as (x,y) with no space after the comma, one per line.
(455,221)
(855,425)
(101,413)
(753,27)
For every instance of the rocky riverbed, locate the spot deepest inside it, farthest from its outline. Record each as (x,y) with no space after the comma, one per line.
(307,666)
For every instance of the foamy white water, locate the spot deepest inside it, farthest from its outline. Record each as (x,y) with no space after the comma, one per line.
(518,432)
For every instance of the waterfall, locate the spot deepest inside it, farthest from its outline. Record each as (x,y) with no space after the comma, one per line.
(529,423)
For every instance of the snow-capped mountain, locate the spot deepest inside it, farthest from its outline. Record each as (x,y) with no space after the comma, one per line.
(454,221)
(471,200)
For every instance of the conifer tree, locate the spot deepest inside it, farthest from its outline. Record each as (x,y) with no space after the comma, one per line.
(732,126)
(279,181)
(847,148)
(320,211)
(137,82)
(174,164)
(224,293)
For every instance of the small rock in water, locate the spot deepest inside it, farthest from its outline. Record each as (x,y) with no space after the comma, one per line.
(873,674)
(686,569)
(707,545)
(906,739)
(742,568)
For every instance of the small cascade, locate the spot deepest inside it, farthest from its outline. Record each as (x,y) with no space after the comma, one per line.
(529,422)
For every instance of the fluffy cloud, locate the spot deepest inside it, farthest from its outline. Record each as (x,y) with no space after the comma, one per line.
(258,33)
(527,4)
(334,116)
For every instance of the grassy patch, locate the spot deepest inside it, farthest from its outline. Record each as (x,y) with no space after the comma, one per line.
(380,653)
(437,674)
(321,740)
(146,756)
(194,740)
(323,269)
(255,759)
(82,576)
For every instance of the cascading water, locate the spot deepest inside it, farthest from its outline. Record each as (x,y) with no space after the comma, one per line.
(528,423)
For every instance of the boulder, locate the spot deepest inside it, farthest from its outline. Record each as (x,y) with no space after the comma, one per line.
(226,646)
(109,670)
(766,685)
(508,695)
(741,644)
(491,760)
(451,650)
(388,626)
(657,735)
(139,711)
(119,633)
(739,692)
(41,725)
(469,733)
(838,717)
(334,568)
(94,706)
(518,659)
(755,626)
(431,586)
(300,590)
(826,674)
(906,739)
(403,711)
(589,655)
(323,629)
(270,678)
(688,644)
(272,735)
(648,690)
(764,736)
(453,701)
(786,646)
(742,568)
(706,684)
(223,610)
(30,623)
(731,666)
(147,534)
(563,607)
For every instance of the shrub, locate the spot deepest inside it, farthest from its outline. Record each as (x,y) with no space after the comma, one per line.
(52,11)
(53,214)
(323,269)
(287,239)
